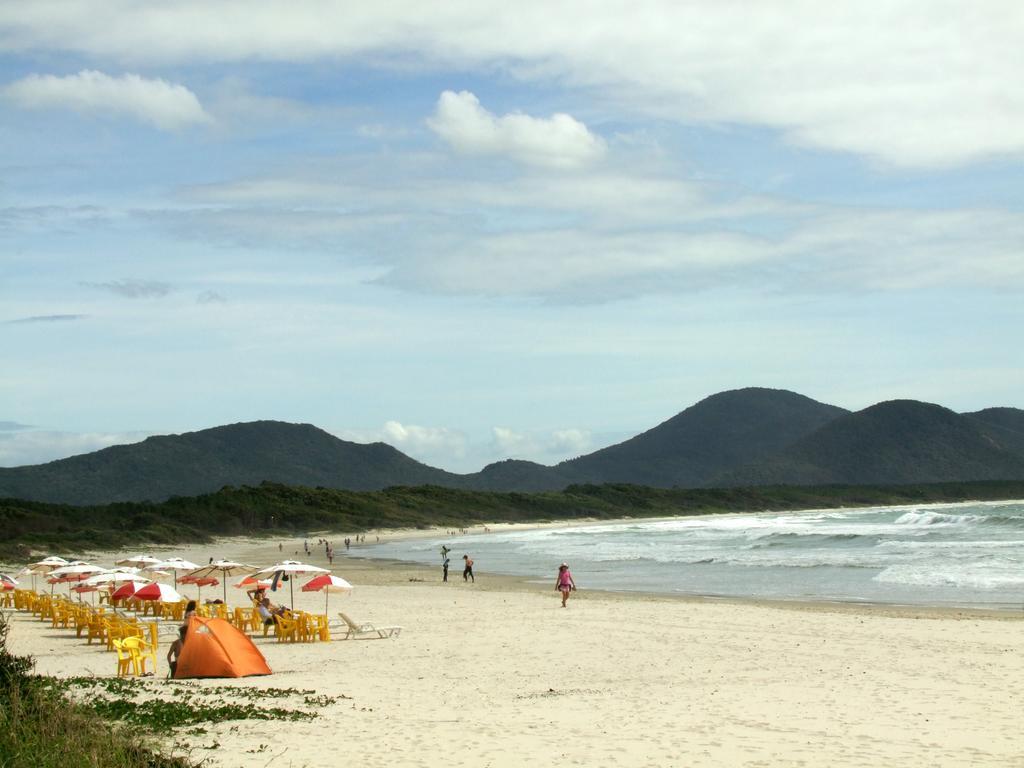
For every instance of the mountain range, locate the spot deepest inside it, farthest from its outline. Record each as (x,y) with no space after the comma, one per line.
(742,437)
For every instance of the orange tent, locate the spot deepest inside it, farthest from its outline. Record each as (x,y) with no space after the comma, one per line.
(214,648)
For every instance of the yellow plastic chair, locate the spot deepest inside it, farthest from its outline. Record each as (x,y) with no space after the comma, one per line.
(125,660)
(253,619)
(139,650)
(97,628)
(82,617)
(322,627)
(287,629)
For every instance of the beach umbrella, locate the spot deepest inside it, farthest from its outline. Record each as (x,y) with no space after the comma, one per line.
(162,593)
(173,564)
(82,587)
(128,589)
(138,561)
(224,569)
(253,583)
(45,565)
(199,582)
(289,568)
(114,576)
(327,583)
(7,582)
(76,571)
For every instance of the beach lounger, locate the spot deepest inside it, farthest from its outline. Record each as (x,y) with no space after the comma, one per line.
(366,631)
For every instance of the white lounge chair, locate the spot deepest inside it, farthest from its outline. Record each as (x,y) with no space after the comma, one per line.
(356,631)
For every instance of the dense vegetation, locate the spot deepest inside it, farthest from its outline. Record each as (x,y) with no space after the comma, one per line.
(40,728)
(277,508)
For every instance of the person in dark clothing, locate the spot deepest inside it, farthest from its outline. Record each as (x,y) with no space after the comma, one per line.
(444,568)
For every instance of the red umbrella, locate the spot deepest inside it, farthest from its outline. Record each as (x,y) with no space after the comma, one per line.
(162,593)
(327,583)
(252,583)
(128,589)
(200,582)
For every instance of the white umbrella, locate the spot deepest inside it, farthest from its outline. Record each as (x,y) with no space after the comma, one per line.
(139,561)
(114,576)
(74,572)
(289,568)
(173,564)
(75,569)
(223,569)
(45,565)
(327,583)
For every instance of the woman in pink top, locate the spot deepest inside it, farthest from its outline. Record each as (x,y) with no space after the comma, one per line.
(564,582)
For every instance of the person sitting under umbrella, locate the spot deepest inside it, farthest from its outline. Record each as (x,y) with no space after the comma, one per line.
(269,612)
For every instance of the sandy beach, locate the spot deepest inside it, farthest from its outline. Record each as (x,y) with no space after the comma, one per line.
(498,674)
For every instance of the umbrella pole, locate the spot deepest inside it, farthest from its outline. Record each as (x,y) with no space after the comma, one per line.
(224,580)
(291,589)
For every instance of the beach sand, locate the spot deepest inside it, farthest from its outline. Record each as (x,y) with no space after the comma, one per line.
(498,674)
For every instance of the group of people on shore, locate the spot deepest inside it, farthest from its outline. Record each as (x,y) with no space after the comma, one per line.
(564,582)
(467,570)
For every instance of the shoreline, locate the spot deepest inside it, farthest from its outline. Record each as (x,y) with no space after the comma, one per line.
(498,581)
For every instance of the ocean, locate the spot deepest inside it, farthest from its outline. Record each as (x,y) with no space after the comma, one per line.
(963,555)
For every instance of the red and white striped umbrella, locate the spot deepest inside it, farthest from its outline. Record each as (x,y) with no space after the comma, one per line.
(8,582)
(162,593)
(288,569)
(327,583)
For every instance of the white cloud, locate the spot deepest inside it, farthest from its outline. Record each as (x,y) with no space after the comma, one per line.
(437,446)
(166,105)
(545,447)
(559,141)
(39,446)
(912,83)
(419,439)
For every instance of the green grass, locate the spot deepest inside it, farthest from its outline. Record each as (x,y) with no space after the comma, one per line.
(40,728)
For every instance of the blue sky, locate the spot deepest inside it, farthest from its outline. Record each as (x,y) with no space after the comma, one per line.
(483,232)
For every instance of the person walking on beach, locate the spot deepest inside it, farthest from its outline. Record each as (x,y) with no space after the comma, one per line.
(467,572)
(444,569)
(564,582)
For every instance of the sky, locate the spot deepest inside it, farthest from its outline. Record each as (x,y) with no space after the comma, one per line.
(480,230)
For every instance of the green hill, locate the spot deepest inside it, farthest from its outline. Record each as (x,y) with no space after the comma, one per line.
(900,441)
(719,433)
(750,436)
(1003,426)
(200,462)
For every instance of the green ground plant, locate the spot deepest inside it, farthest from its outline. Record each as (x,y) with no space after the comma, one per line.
(40,728)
